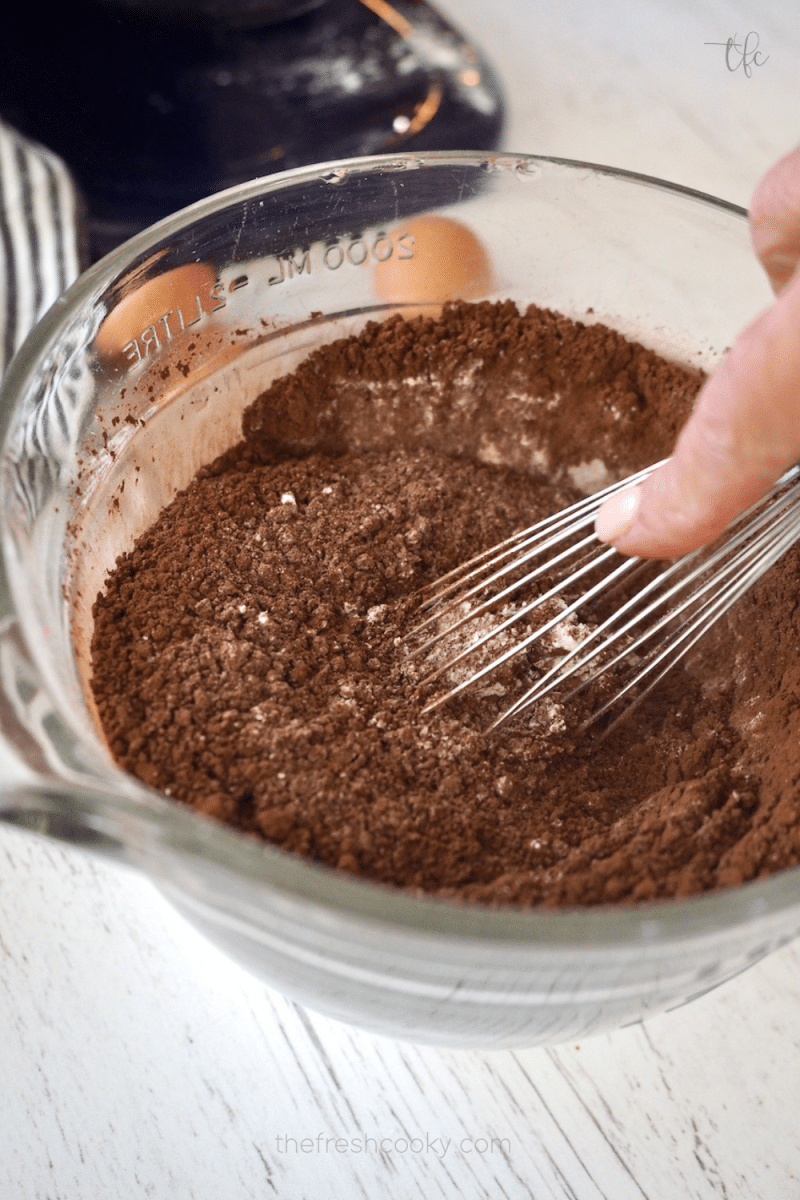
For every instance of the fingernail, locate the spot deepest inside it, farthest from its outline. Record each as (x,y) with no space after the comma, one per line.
(616,516)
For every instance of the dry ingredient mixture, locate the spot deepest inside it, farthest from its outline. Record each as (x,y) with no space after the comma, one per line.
(249,661)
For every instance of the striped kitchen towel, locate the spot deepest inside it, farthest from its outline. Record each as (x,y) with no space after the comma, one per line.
(38,236)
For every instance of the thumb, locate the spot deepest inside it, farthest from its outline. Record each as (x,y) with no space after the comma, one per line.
(743,434)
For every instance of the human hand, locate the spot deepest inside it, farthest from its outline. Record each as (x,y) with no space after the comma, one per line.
(745,428)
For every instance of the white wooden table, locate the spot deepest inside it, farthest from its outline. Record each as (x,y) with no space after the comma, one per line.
(135,1061)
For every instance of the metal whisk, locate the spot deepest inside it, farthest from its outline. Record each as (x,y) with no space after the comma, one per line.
(647,631)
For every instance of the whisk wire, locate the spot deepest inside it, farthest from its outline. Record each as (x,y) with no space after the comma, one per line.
(580,514)
(706,563)
(537,634)
(578,659)
(681,645)
(508,591)
(679,605)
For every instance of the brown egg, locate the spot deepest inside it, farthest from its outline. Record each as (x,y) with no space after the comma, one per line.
(435,259)
(167,303)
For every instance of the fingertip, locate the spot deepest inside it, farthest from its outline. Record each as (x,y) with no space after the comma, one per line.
(662,518)
(616,516)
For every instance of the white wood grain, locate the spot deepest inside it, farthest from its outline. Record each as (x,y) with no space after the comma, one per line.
(631,83)
(135,1061)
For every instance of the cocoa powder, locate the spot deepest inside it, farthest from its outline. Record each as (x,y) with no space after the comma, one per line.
(250,661)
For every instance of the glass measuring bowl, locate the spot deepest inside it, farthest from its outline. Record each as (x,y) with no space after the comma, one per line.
(139,375)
